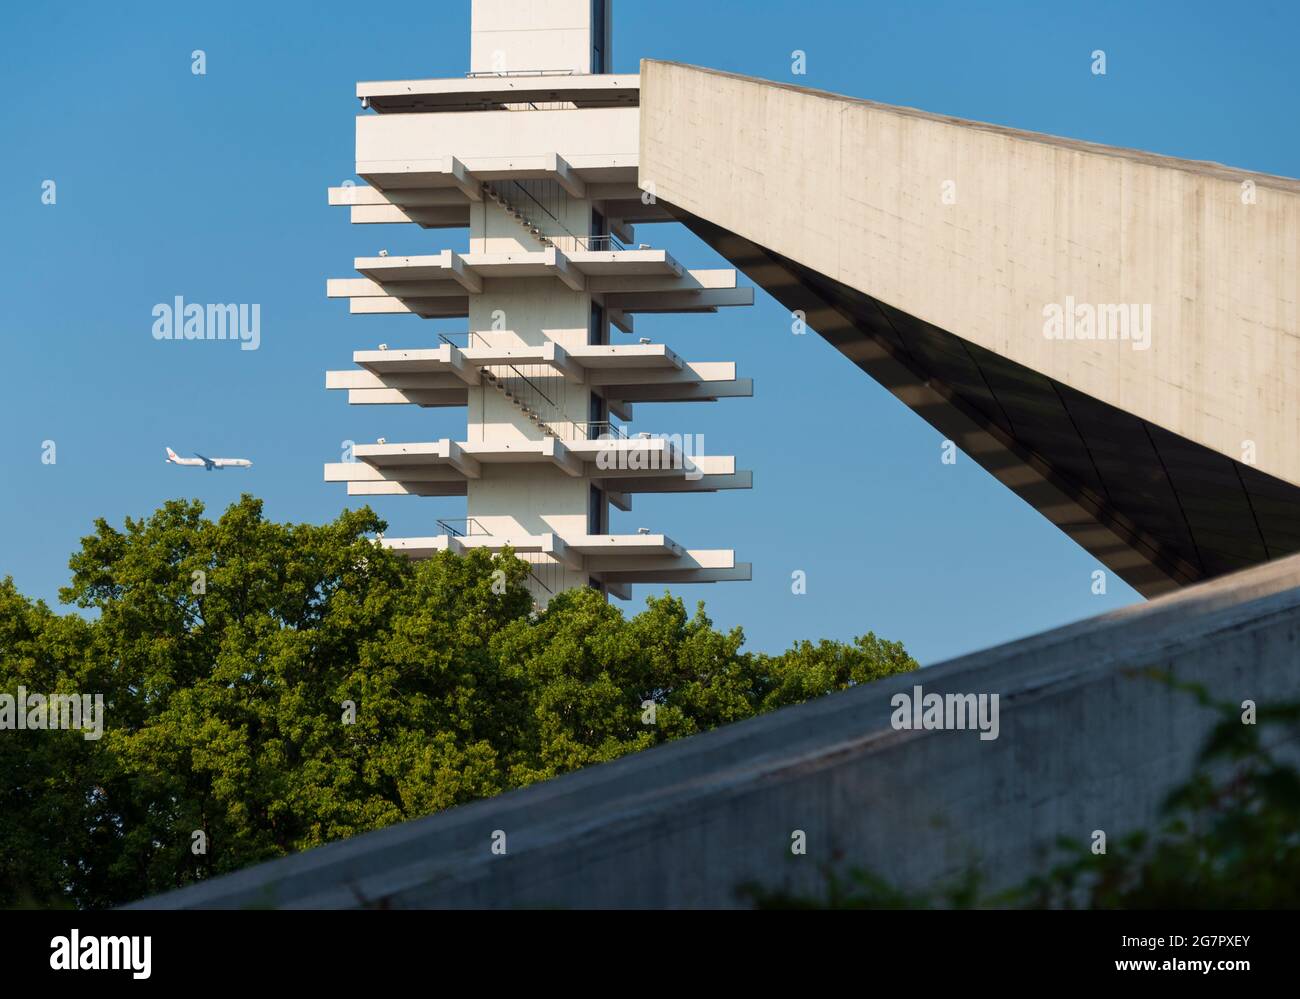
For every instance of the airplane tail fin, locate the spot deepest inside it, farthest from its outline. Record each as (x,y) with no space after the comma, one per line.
(171,455)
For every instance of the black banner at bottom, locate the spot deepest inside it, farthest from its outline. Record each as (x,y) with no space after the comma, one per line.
(339,948)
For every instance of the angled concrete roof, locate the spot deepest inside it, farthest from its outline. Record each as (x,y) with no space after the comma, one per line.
(930,250)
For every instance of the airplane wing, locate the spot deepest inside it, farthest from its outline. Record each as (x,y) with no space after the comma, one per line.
(208,463)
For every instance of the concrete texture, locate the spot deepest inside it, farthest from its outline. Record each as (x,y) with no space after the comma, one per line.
(1086,741)
(929,250)
(513,36)
(535,153)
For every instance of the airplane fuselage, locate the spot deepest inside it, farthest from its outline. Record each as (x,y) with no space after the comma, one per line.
(199,461)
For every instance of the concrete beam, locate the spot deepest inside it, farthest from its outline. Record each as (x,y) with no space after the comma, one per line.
(620,591)
(621,320)
(680,301)
(706,483)
(711,391)
(461,272)
(462,462)
(429,398)
(741,572)
(1144,440)
(407,487)
(560,359)
(560,265)
(696,280)
(468,185)
(565,177)
(562,457)
(690,373)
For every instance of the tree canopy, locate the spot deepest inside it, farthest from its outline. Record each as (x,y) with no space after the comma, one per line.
(271,687)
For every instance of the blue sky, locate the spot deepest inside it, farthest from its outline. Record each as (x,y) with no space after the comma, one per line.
(213,187)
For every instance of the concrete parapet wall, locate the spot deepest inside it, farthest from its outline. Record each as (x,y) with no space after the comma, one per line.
(978,229)
(1085,742)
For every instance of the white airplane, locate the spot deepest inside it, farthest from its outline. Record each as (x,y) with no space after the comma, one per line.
(208,463)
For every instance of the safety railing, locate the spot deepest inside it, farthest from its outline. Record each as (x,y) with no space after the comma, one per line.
(463,339)
(595,430)
(519,384)
(524,72)
(541,207)
(545,579)
(462,527)
(545,196)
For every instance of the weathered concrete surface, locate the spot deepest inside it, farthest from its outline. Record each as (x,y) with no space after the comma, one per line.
(927,249)
(855,190)
(1085,743)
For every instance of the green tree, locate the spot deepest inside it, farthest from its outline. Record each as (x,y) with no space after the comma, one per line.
(52,812)
(228,653)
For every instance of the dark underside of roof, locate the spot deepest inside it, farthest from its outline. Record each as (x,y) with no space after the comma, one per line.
(1193,512)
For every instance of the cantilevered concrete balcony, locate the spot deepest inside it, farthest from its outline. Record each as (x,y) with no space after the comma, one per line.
(588,152)
(627,281)
(619,465)
(469,270)
(444,204)
(621,373)
(572,146)
(501,92)
(619,559)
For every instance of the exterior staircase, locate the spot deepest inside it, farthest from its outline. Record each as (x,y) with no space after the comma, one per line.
(513,210)
(519,389)
(522,392)
(516,386)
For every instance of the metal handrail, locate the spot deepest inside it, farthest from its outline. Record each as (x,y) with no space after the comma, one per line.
(570,243)
(537,579)
(469,336)
(593,243)
(530,383)
(511,383)
(596,429)
(472,527)
(533,198)
(606,242)
(526,72)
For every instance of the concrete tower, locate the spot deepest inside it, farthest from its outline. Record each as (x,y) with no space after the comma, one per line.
(535,153)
